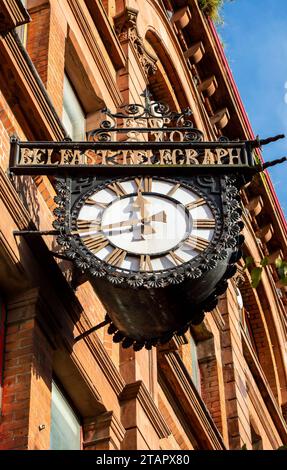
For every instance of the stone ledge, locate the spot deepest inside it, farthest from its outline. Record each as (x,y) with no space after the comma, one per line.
(103,430)
(13,14)
(43,122)
(196,418)
(138,390)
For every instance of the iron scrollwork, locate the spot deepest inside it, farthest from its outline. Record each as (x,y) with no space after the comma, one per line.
(153,118)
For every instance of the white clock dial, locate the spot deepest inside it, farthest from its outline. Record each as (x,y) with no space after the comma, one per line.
(161,226)
(145,224)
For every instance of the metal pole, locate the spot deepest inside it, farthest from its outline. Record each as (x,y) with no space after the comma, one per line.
(91,330)
(21,233)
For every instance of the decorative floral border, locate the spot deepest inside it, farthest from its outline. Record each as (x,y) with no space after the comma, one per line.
(86,261)
(229,225)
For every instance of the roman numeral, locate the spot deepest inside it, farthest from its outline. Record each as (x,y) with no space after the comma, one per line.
(173,190)
(96,243)
(91,202)
(87,225)
(116,257)
(117,189)
(194,204)
(203,223)
(176,259)
(145,184)
(145,263)
(197,243)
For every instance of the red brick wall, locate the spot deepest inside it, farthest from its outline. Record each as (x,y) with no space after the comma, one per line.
(8,126)
(46,47)
(27,378)
(2,337)
(210,390)
(38,40)
(262,342)
(16,387)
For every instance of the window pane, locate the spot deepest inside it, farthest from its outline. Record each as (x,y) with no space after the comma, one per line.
(22,30)
(65,426)
(73,115)
(194,365)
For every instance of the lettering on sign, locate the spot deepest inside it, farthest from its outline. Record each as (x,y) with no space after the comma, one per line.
(178,156)
(138,134)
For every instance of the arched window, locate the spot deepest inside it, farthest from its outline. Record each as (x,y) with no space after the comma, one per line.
(255,328)
(165,83)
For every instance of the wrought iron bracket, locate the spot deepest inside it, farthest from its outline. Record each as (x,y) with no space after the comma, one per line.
(78,277)
(91,330)
(274,162)
(267,141)
(40,233)
(33,233)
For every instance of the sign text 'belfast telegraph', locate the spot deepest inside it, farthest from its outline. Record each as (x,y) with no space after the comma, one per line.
(137,135)
(166,156)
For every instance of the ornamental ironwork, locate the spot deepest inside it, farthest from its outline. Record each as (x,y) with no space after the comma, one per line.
(148,136)
(149,212)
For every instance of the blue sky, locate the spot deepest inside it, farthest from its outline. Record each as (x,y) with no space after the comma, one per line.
(254,35)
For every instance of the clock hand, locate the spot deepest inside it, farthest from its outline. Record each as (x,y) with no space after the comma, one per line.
(124,223)
(158,217)
(141,203)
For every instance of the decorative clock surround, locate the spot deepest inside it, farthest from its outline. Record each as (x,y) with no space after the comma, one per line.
(224,230)
(119,287)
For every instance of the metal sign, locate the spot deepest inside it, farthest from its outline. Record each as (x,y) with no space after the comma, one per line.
(149,137)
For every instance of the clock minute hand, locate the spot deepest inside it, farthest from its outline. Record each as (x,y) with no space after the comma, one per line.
(124,223)
(158,217)
(129,223)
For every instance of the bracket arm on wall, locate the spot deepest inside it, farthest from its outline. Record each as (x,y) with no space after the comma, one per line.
(32,233)
(91,330)
(274,162)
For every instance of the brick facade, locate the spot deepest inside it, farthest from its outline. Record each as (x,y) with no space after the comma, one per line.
(126,399)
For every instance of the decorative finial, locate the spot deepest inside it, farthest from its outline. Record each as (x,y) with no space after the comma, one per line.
(147,95)
(274,162)
(260,142)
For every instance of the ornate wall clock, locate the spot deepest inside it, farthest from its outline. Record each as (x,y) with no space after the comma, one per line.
(158,250)
(158,245)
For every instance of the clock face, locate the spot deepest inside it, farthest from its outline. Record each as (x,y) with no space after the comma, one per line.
(145,224)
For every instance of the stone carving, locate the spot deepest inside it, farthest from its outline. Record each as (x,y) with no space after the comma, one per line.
(126,29)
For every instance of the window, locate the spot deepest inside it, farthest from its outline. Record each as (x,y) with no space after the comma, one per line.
(22,30)
(247,327)
(245,319)
(65,425)
(195,374)
(73,114)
